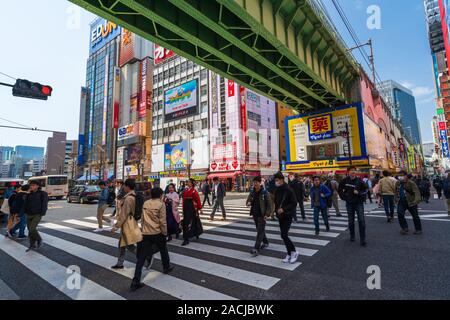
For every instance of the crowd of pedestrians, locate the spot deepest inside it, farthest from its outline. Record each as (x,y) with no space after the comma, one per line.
(147,221)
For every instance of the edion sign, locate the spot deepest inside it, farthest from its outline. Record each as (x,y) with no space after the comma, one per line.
(162,54)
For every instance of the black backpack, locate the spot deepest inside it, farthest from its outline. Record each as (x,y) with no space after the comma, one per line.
(139,203)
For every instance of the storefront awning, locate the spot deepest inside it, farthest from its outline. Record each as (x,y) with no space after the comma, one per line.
(224,175)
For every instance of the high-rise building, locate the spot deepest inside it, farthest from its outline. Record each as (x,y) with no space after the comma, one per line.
(96,111)
(24,154)
(180,117)
(6,153)
(71,152)
(403,103)
(55,153)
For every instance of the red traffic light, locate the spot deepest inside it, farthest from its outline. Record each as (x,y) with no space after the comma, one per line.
(31,90)
(47,90)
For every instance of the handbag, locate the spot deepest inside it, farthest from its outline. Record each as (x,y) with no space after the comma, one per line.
(5,206)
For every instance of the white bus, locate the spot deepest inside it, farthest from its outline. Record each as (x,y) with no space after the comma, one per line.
(56,186)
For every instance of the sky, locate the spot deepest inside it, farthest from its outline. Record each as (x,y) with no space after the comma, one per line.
(47,41)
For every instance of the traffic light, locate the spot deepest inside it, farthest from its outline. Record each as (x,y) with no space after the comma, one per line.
(32,90)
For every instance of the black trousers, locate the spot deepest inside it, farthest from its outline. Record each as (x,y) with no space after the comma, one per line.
(260,223)
(145,250)
(206,198)
(302,210)
(285,224)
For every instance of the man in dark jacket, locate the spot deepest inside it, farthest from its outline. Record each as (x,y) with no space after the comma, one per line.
(299,189)
(352,190)
(319,194)
(219,193)
(258,201)
(408,198)
(285,207)
(437,184)
(206,190)
(35,208)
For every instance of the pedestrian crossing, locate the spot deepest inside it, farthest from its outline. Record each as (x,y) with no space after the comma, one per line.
(218,266)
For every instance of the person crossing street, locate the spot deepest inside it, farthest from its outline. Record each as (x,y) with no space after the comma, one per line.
(387,190)
(206,191)
(333,186)
(102,206)
(408,198)
(258,201)
(319,194)
(36,206)
(285,206)
(353,191)
(219,193)
(299,189)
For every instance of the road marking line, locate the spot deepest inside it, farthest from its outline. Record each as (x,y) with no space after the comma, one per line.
(234,274)
(56,274)
(238,241)
(170,285)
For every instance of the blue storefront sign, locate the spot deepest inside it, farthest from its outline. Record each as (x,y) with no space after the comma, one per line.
(444,145)
(102,32)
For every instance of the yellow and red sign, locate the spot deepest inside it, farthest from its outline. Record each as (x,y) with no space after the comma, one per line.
(320,127)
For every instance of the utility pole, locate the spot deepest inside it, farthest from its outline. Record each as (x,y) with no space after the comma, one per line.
(371,58)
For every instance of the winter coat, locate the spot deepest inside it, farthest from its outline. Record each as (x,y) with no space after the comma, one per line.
(130,233)
(412,192)
(154,220)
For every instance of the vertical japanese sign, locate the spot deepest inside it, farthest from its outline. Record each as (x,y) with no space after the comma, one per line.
(244,119)
(120,162)
(91,108)
(116,99)
(145,95)
(444,140)
(105,100)
(231,88)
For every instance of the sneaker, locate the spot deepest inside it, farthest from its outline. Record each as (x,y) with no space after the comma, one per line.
(287,259)
(254,252)
(117,267)
(39,244)
(317,233)
(417,232)
(224,219)
(32,247)
(294,257)
(8,234)
(328,228)
(135,286)
(404,232)
(148,263)
(363,243)
(168,270)
(98,230)
(264,245)
(185,242)
(22,237)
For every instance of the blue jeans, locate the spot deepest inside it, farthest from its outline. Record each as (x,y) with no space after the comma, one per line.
(324,212)
(388,202)
(358,210)
(20,226)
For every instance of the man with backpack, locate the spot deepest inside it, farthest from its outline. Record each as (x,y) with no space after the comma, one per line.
(35,208)
(127,222)
(353,191)
(258,201)
(299,189)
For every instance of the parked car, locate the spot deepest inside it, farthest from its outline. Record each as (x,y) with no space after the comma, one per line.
(84,194)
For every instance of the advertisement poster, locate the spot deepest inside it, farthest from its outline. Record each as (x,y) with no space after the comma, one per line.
(146,86)
(128,131)
(120,163)
(162,54)
(181,101)
(176,156)
(305,136)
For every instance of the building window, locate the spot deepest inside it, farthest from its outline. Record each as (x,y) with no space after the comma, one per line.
(204,90)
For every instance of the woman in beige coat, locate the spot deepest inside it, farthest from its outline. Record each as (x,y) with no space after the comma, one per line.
(130,233)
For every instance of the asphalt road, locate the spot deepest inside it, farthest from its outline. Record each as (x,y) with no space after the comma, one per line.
(219,265)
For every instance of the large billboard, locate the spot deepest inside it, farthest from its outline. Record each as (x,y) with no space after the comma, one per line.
(176,156)
(162,54)
(318,140)
(181,101)
(102,32)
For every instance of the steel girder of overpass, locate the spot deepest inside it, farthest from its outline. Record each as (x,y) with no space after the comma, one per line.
(284,49)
